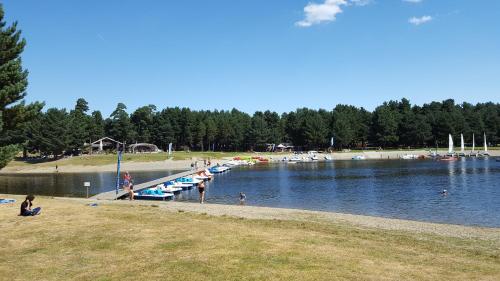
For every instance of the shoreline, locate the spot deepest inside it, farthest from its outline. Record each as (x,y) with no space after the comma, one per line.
(288,214)
(136,166)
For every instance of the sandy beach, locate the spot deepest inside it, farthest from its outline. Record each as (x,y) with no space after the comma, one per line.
(185,164)
(267,213)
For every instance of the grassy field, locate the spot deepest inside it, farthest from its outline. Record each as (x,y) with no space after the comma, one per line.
(72,241)
(104,159)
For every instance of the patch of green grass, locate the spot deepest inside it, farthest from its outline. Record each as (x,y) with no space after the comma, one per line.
(105,159)
(179,244)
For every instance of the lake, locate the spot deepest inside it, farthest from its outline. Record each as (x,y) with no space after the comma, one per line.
(392,188)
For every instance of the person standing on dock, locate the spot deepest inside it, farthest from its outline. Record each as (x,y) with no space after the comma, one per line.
(127,184)
(201,189)
(126,179)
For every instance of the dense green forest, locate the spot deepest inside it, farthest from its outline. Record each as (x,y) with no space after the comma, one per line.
(392,124)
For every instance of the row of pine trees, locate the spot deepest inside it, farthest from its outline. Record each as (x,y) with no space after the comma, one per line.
(392,124)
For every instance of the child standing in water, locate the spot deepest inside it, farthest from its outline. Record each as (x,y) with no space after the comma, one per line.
(242,198)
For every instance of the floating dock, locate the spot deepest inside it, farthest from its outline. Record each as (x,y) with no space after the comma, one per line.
(111,195)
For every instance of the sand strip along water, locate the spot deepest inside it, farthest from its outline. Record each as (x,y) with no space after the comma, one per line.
(185,164)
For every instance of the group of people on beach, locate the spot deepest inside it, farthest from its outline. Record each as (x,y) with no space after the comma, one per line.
(206,163)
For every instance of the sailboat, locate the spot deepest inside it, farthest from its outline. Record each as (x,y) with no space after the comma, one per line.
(462,146)
(450,146)
(485,152)
(451,155)
(473,152)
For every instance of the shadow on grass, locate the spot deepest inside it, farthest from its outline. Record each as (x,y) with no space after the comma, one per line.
(37,160)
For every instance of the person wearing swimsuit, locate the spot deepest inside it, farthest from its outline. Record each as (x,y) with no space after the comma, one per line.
(201,189)
(127,183)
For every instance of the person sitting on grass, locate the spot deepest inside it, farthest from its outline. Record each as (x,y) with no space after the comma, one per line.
(26,207)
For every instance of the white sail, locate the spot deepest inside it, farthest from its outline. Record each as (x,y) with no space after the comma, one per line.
(462,147)
(473,143)
(485,145)
(450,144)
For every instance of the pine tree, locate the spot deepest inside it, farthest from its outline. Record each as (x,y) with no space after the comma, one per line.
(79,126)
(13,82)
(163,134)
(342,126)
(142,119)
(211,131)
(120,127)
(386,121)
(51,136)
(96,126)
(259,132)
(201,131)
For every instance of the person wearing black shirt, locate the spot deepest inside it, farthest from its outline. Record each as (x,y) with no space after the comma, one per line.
(26,207)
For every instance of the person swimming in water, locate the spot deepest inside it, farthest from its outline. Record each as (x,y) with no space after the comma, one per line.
(444,192)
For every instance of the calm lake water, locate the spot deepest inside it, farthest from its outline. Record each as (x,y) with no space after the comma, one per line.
(68,185)
(396,189)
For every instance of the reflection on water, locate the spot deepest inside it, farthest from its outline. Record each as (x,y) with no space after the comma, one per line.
(68,184)
(399,189)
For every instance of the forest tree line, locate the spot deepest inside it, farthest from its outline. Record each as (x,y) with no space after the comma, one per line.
(392,124)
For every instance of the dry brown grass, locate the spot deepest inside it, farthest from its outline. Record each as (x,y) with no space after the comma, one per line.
(72,241)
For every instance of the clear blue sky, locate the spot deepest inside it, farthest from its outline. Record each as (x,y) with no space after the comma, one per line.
(258,54)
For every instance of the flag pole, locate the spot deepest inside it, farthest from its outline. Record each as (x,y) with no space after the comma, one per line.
(117,186)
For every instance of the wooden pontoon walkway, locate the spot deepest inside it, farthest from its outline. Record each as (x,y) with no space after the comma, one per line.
(111,195)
